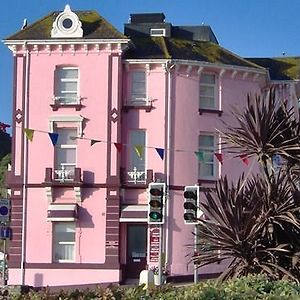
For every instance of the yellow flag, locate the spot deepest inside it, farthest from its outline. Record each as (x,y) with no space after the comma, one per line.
(29,133)
(139,150)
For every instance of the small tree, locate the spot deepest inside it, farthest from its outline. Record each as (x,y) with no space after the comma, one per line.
(254,224)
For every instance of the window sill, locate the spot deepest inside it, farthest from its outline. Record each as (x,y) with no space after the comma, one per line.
(56,106)
(207,181)
(145,107)
(210,111)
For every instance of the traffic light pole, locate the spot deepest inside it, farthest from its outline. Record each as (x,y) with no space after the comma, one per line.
(195,251)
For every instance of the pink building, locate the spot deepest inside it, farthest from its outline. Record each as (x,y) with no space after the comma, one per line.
(97,116)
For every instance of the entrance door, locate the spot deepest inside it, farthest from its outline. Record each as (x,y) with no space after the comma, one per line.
(136,250)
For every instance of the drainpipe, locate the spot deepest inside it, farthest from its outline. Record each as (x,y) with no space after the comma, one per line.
(25,165)
(169,67)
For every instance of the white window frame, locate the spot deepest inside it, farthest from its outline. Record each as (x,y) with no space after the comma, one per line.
(215,97)
(62,169)
(154,32)
(135,173)
(134,98)
(211,150)
(56,243)
(58,92)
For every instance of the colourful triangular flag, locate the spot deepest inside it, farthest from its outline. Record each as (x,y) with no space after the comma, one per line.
(29,133)
(53,136)
(139,150)
(200,155)
(118,146)
(160,152)
(219,157)
(245,159)
(94,142)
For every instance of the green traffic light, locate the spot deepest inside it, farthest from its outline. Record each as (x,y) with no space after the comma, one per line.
(156,216)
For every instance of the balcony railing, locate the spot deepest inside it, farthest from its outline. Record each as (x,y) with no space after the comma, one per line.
(63,176)
(60,101)
(136,176)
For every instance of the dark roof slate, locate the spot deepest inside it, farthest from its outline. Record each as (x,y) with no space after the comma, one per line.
(171,48)
(280,68)
(94,27)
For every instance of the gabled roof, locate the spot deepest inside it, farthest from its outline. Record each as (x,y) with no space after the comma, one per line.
(94,27)
(172,48)
(280,68)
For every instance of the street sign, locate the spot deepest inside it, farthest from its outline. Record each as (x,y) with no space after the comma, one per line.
(154,244)
(5,233)
(4,211)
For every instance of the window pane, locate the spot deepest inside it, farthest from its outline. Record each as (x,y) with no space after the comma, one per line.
(206,141)
(137,149)
(207,91)
(207,78)
(64,241)
(207,102)
(64,135)
(66,155)
(68,73)
(138,85)
(206,170)
(68,86)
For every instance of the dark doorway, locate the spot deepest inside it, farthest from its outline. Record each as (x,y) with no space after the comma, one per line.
(136,250)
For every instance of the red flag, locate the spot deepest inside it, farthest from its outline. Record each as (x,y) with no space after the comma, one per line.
(118,146)
(219,157)
(245,159)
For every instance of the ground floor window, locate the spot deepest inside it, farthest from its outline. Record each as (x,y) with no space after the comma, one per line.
(64,241)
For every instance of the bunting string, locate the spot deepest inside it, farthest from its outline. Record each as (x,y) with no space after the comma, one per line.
(140,149)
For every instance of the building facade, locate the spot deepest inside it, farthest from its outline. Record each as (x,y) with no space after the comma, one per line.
(98,116)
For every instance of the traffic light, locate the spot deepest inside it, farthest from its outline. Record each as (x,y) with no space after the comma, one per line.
(156,205)
(191,204)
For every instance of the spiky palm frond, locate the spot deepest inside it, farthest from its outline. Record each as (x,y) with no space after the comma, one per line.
(247,225)
(265,127)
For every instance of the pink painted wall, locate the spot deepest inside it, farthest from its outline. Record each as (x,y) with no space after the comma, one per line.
(91,225)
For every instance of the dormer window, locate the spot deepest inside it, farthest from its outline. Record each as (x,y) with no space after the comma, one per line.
(158,32)
(66,24)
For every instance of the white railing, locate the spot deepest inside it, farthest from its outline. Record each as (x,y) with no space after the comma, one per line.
(66,100)
(147,101)
(136,176)
(64,174)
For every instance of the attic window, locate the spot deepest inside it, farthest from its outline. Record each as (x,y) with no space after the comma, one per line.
(158,32)
(67,24)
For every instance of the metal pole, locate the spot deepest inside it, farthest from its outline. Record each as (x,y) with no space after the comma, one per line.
(4,264)
(160,253)
(195,251)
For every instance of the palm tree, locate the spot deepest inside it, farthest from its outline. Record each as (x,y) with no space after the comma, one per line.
(254,224)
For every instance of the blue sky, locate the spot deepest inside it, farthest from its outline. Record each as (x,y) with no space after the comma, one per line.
(256,28)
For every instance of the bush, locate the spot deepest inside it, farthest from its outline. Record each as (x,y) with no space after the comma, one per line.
(245,288)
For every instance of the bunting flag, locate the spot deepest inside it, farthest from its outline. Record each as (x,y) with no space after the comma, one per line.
(94,142)
(139,150)
(118,146)
(160,152)
(245,159)
(219,157)
(29,133)
(53,137)
(200,155)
